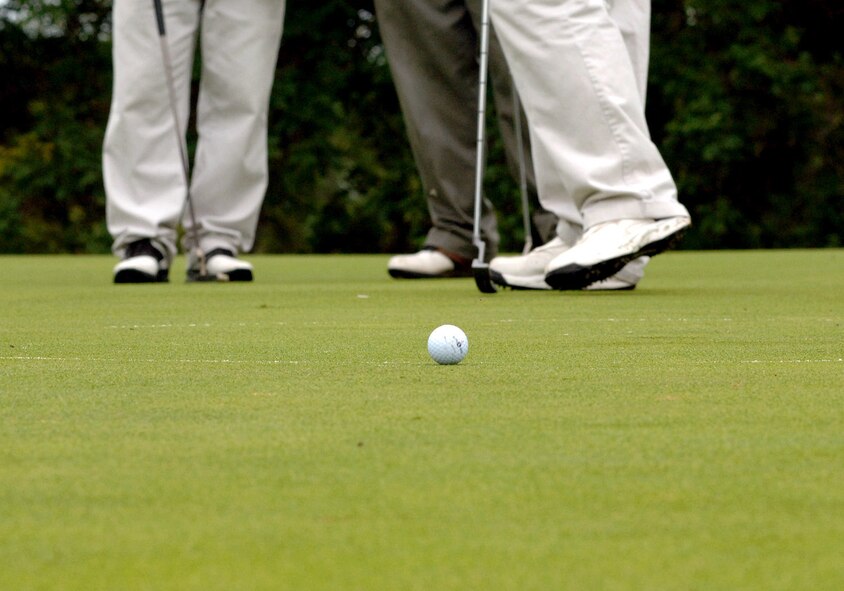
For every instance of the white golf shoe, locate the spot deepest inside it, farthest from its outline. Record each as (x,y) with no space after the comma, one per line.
(428,263)
(528,271)
(606,248)
(221,265)
(142,263)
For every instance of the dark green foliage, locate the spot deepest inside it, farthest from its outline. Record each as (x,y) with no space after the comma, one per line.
(55,68)
(745,102)
(342,176)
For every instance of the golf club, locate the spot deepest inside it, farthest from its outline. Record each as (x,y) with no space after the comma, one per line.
(480,268)
(520,148)
(183,149)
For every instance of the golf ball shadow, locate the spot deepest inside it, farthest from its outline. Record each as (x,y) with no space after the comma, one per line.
(448,345)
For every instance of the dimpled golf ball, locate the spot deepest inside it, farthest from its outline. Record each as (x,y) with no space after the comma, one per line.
(448,345)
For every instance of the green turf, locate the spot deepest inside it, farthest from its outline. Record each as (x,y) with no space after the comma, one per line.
(294,434)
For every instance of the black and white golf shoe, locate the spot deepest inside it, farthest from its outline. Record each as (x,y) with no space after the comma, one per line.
(221,264)
(527,271)
(606,248)
(142,263)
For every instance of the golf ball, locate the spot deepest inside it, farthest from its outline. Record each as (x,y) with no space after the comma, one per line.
(448,345)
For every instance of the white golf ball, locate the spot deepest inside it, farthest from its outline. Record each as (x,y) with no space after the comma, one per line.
(448,345)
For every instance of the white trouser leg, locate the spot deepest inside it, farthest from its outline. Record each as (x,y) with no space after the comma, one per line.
(593,153)
(142,172)
(633,19)
(239,44)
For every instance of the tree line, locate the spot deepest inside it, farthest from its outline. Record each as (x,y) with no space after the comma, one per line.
(745,101)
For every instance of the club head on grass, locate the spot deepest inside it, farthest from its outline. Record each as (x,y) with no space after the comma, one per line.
(218,278)
(480,270)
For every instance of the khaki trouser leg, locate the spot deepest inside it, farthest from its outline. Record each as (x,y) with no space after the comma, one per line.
(432,49)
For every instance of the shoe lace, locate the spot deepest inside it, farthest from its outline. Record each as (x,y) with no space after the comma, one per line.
(143,247)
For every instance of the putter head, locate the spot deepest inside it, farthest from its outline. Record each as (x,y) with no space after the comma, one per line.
(480,270)
(199,270)
(219,278)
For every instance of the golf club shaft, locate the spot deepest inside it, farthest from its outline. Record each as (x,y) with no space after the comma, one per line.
(180,138)
(480,268)
(480,156)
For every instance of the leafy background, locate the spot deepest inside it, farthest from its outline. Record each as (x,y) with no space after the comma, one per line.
(746,102)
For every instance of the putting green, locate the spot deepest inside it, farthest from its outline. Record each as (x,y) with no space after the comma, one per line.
(294,434)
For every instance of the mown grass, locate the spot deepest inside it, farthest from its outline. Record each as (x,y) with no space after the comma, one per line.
(294,434)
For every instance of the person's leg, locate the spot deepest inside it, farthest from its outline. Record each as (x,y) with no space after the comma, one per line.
(431,46)
(590,119)
(528,271)
(142,170)
(239,44)
(588,124)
